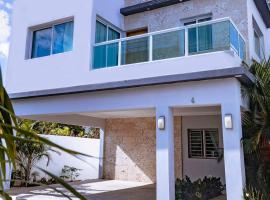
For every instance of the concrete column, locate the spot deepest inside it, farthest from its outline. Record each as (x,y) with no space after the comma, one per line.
(233,152)
(165,155)
(101,152)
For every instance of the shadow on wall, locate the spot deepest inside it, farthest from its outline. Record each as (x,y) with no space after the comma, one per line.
(130,149)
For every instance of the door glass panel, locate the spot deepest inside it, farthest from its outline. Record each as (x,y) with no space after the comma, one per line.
(99,57)
(112,34)
(101,32)
(192,40)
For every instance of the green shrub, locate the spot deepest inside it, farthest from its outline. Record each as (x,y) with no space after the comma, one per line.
(209,187)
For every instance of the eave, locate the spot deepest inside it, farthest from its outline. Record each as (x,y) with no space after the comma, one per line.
(149,5)
(264,11)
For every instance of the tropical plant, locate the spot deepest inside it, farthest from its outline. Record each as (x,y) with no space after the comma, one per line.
(29,153)
(256,128)
(9,128)
(53,128)
(208,188)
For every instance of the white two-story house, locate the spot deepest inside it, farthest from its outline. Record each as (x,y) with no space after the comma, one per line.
(161,78)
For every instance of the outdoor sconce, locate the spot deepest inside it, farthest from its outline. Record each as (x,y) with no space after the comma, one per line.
(228,121)
(161,123)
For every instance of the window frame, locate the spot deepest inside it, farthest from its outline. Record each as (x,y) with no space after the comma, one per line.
(41,27)
(108,25)
(257,31)
(203,130)
(196,19)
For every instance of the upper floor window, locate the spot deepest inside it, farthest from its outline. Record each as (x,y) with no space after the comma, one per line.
(258,40)
(203,143)
(105,32)
(54,39)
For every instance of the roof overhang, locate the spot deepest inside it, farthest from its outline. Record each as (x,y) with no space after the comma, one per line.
(149,5)
(264,10)
(241,73)
(262,6)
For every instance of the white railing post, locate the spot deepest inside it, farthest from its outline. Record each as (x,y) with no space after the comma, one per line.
(150,47)
(186,41)
(119,52)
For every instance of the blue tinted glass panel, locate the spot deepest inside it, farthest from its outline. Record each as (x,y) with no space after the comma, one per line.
(242,45)
(112,55)
(41,45)
(112,34)
(63,37)
(101,32)
(192,40)
(99,57)
(234,37)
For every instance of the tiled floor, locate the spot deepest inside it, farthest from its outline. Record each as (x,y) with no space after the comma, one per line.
(93,190)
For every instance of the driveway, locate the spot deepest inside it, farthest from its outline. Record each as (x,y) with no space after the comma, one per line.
(93,190)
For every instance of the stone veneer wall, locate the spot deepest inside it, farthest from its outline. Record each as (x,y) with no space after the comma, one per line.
(170,16)
(130,149)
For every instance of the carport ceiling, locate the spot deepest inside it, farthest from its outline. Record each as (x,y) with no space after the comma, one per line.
(188,111)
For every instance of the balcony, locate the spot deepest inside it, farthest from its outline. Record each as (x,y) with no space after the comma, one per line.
(206,37)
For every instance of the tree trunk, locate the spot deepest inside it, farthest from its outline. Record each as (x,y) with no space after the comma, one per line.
(28,171)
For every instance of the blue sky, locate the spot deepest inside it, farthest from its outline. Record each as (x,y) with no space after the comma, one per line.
(5,29)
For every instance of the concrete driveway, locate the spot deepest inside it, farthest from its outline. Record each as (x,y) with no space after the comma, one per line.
(93,190)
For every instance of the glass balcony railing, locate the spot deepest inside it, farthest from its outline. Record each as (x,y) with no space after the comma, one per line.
(211,36)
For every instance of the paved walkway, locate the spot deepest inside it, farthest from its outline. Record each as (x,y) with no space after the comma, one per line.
(92,190)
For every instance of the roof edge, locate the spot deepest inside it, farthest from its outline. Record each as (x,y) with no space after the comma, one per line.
(264,11)
(147,6)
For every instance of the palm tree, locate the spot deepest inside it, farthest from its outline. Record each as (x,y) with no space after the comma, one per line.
(256,126)
(10,133)
(29,153)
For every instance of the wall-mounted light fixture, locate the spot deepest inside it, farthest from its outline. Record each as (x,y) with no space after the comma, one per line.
(228,121)
(161,123)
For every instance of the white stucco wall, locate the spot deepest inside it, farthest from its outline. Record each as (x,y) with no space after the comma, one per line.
(254,13)
(89,165)
(59,70)
(73,68)
(198,168)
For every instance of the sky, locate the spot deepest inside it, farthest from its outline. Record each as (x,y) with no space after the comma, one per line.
(5,30)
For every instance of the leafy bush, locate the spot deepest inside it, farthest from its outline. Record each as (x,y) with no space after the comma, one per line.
(209,187)
(50,181)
